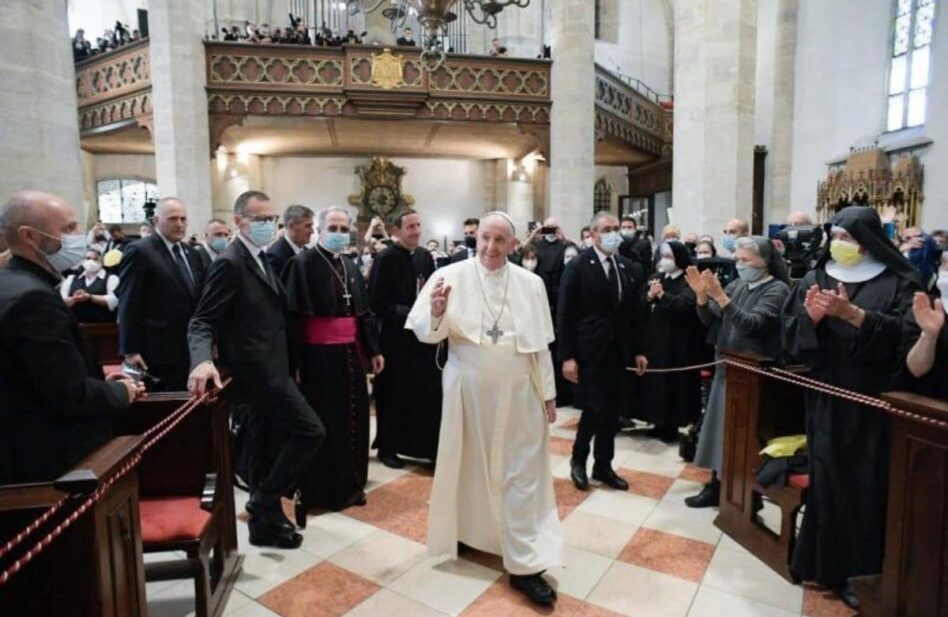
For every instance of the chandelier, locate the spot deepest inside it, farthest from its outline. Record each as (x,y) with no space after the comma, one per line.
(434,16)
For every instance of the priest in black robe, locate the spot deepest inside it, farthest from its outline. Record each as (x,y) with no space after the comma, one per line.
(844,321)
(335,345)
(408,393)
(675,339)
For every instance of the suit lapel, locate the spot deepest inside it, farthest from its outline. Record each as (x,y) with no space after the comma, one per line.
(251,263)
(168,260)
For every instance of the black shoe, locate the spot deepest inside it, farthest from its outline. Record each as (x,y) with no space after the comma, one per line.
(357,499)
(535,588)
(626,424)
(709,496)
(665,435)
(265,532)
(391,461)
(577,474)
(274,514)
(610,478)
(848,597)
(299,509)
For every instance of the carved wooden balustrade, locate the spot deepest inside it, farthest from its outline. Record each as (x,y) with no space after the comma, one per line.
(114,89)
(361,81)
(629,118)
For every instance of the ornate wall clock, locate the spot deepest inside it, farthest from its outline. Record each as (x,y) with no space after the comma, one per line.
(381,192)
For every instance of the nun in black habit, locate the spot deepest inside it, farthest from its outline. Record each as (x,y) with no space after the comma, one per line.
(844,322)
(675,338)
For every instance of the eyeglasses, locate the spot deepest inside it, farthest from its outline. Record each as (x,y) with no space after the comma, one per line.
(264,219)
(338,229)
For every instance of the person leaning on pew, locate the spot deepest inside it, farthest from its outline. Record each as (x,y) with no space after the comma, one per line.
(56,403)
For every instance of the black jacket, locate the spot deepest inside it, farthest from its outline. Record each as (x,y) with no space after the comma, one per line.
(54,403)
(278,254)
(589,319)
(155,304)
(245,314)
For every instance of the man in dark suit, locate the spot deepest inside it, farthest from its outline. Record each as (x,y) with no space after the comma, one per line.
(470,241)
(55,402)
(598,300)
(159,285)
(243,311)
(216,237)
(297,230)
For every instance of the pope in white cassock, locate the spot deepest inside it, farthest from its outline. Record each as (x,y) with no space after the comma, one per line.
(493,490)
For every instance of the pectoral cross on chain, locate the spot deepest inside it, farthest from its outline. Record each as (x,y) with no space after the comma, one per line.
(495,333)
(348,298)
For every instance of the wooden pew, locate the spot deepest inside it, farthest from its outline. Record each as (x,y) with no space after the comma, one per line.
(95,568)
(914,579)
(187,497)
(758,408)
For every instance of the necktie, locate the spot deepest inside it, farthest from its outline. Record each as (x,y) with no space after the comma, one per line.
(266,269)
(183,268)
(614,279)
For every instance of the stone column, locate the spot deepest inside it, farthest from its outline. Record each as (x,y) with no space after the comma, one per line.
(38,113)
(182,153)
(715,49)
(572,122)
(781,152)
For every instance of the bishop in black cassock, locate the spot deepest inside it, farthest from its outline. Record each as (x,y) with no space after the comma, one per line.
(335,335)
(408,393)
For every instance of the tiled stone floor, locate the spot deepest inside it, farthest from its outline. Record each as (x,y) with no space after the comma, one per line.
(639,553)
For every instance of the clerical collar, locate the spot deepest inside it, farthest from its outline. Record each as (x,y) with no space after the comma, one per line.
(674,275)
(868,268)
(327,252)
(757,284)
(496,272)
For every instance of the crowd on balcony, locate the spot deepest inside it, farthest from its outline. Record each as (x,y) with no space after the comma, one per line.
(112,38)
(296,33)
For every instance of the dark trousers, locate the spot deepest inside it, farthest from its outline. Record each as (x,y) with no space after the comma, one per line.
(171,377)
(285,434)
(601,387)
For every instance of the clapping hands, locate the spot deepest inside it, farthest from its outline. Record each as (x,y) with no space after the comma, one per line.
(931,319)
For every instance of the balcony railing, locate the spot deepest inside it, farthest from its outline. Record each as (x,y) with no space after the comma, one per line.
(360,80)
(114,88)
(623,113)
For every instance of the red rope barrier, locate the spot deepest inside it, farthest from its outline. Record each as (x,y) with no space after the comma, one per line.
(153,435)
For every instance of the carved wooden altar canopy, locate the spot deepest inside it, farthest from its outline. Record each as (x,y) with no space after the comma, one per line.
(869,177)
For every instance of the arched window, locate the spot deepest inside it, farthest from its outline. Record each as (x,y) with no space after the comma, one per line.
(122,200)
(602,196)
(909,70)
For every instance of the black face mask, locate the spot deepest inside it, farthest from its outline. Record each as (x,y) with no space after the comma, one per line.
(470,242)
(691,246)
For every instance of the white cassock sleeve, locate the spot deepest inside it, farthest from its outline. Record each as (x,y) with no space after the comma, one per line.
(427,328)
(547,380)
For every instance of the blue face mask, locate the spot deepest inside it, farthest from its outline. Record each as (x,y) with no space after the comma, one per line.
(262,232)
(727,241)
(750,274)
(219,244)
(336,242)
(610,241)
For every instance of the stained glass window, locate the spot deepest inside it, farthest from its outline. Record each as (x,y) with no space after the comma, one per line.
(909,69)
(122,200)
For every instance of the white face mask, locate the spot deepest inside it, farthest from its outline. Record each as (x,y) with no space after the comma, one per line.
(943,288)
(568,257)
(588,242)
(530,264)
(666,265)
(704,255)
(91,266)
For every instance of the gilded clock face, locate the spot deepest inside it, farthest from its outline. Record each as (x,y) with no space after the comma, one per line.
(381,200)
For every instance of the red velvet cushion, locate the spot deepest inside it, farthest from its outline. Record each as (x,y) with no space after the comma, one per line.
(169,519)
(110,369)
(801,481)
